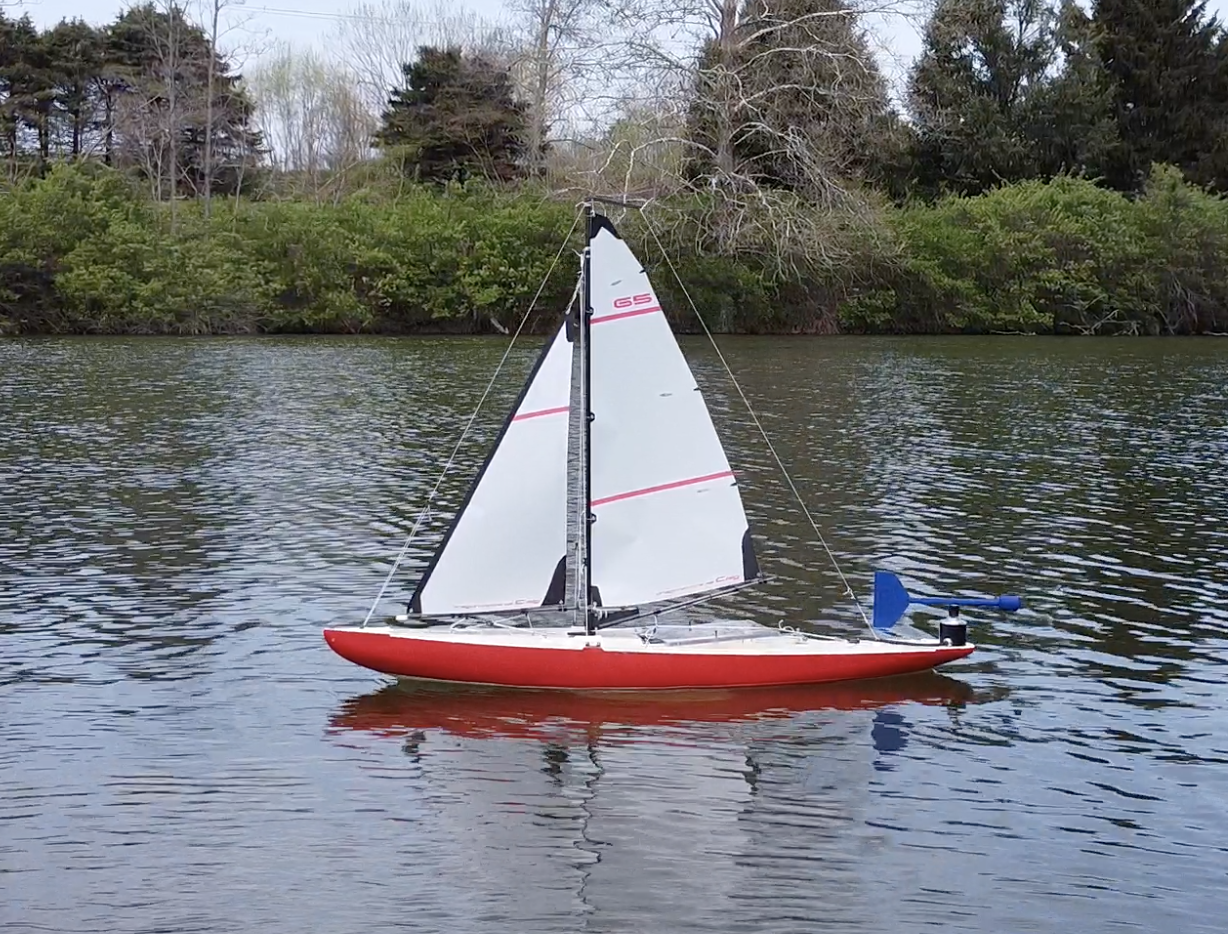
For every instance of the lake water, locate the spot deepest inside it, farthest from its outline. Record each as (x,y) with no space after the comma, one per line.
(179,750)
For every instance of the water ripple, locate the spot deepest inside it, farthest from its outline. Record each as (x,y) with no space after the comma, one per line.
(179,751)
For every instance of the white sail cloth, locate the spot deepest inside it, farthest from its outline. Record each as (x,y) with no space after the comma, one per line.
(506,548)
(669,517)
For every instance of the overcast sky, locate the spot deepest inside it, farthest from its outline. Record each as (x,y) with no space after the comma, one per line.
(260,23)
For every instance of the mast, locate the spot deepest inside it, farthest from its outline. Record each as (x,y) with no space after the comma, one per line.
(586,414)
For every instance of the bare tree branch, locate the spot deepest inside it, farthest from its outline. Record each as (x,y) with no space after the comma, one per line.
(761,113)
(309,111)
(377,38)
(550,58)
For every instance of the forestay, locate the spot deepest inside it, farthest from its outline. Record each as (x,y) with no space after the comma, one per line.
(669,517)
(506,548)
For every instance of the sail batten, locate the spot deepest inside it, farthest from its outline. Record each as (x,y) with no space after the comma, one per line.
(557,410)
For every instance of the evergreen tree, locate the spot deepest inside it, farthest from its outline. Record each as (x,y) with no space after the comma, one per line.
(977,92)
(25,91)
(8,62)
(40,92)
(76,52)
(1169,66)
(455,117)
(156,86)
(1072,122)
(136,89)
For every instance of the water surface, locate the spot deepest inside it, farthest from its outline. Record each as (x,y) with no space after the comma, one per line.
(179,751)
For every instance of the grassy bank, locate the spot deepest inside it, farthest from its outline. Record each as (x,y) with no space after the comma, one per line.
(82,251)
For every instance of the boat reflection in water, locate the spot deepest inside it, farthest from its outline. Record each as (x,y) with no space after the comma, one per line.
(407,706)
(692,809)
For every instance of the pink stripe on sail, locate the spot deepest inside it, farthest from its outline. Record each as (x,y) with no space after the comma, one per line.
(555,411)
(625,314)
(661,488)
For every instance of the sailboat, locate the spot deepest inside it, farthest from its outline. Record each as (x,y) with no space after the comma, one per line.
(656,525)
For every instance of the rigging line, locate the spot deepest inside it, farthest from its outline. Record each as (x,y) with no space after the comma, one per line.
(776,457)
(413,532)
(320,14)
(694,601)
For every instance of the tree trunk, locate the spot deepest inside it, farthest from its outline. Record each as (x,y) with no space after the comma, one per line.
(542,62)
(726,95)
(44,141)
(78,119)
(108,146)
(172,116)
(207,168)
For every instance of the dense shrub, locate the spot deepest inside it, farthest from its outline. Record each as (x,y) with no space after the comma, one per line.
(82,251)
(1064,256)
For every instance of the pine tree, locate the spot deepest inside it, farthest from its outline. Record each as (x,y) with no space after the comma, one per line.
(1071,122)
(76,52)
(977,92)
(455,117)
(1169,66)
(26,92)
(8,61)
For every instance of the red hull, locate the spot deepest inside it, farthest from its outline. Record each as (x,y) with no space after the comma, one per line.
(593,668)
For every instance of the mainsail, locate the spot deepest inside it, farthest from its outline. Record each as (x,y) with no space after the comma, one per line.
(669,517)
(507,546)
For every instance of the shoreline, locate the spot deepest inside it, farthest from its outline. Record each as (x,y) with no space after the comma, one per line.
(535,335)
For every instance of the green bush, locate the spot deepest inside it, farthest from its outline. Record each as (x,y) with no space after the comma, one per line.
(1186,232)
(1056,256)
(41,223)
(135,281)
(83,251)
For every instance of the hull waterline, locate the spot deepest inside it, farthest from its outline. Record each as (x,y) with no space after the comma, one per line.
(613,661)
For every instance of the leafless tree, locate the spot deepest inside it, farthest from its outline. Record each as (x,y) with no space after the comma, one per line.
(757,68)
(378,37)
(555,61)
(642,152)
(169,47)
(211,14)
(309,112)
(148,112)
(762,109)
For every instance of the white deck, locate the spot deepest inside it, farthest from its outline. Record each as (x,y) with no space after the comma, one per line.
(721,638)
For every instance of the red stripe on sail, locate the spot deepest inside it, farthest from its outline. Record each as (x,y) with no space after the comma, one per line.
(555,411)
(625,314)
(661,488)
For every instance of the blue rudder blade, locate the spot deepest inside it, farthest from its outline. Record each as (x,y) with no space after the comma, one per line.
(890,599)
